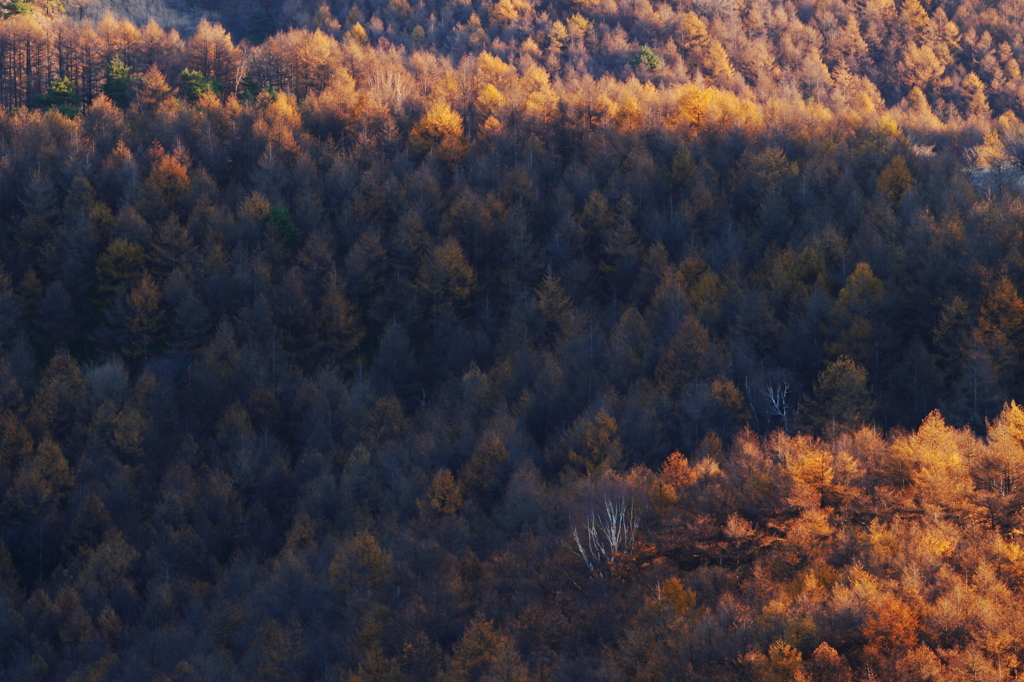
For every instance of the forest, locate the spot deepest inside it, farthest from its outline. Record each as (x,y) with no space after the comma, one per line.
(526,341)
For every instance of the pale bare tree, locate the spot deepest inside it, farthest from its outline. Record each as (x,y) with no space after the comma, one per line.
(777,392)
(606,535)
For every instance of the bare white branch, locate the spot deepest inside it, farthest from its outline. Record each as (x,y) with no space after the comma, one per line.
(779,406)
(609,533)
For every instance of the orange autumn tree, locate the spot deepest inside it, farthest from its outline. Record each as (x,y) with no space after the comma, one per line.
(166,186)
(440,131)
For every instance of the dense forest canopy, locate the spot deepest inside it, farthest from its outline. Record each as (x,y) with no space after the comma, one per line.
(512,341)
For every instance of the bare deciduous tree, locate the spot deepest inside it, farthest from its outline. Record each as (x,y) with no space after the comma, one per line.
(778,392)
(606,534)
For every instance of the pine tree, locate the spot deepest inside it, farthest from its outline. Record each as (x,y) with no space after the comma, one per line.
(842,398)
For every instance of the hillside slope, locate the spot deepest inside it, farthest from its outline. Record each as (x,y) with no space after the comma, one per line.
(497,341)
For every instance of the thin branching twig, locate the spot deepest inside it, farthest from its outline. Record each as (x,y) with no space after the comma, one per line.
(606,535)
